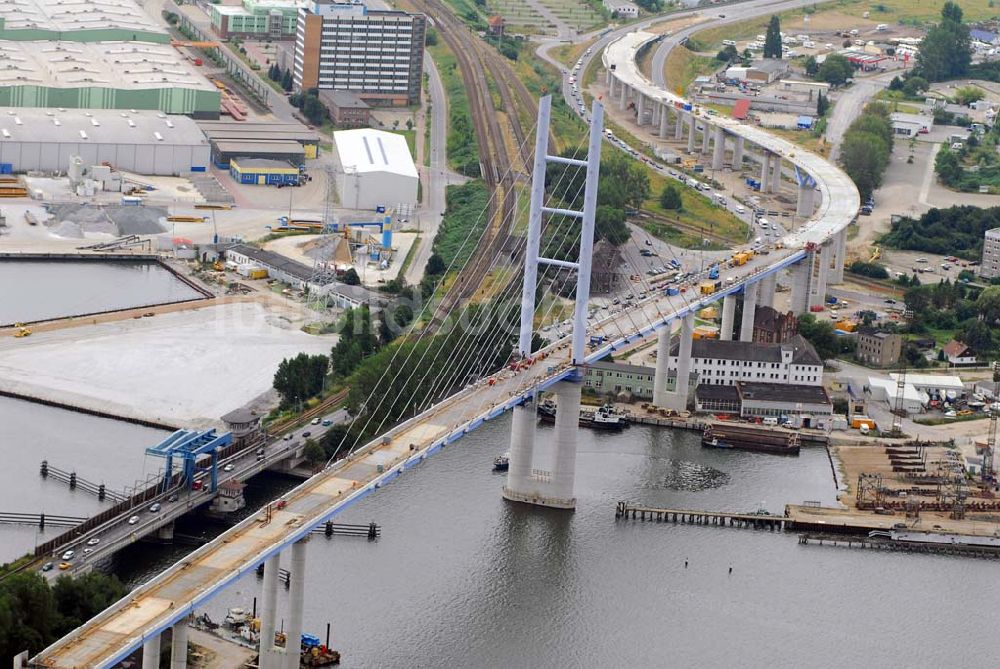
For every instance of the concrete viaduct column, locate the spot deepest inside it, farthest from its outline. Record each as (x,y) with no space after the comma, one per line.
(719,151)
(179,646)
(567,427)
(809,278)
(765,170)
(293,639)
(680,395)
(768,287)
(268,612)
(692,130)
(640,108)
(805,206)
(750,291)
(738,152)
(664,118)
(151,653)
(728,317)
(623,99)
(775,181)
(522,449)
(662,360)
(706,137)
(678,124)
(609,81)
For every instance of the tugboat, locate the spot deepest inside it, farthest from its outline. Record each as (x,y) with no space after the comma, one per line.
(501,463)
(607,417)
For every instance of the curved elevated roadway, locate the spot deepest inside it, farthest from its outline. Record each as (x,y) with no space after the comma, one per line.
(171,596)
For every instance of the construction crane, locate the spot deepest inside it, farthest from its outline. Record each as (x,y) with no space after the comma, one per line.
(899,410)
(989,454)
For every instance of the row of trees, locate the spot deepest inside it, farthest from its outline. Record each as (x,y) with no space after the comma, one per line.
(282,77)
(866,148)
(972,314)
(954,231)
(308,103)
(34,614)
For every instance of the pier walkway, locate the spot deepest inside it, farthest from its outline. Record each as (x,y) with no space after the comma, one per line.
(624,510)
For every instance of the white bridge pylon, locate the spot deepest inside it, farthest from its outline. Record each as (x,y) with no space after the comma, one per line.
(545,473)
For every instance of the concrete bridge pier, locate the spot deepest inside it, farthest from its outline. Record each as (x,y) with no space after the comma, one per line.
(640,108)
(706,137)
(692,131)
(768,287)
(805,205)
(679,398)
(268,613)
(563,478)
(738,153)
(719,152)
(151,653)
(662,361)
(664,119)
(809,278)
(750,291)
(522,451)
(179,646)
(293,639)
(678,125)
(728,317)
(610,81)
(623,98)
(765,170)
(775,181)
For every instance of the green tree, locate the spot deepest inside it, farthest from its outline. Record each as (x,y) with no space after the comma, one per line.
(966,95)
(80,599)
(822,105)
(609,224)
(313,109)
(351,277)
(988,305)
(313,452)
(357,341)
(812,67)
(728,54)
(835,70)
(917,299)
(286,80)
(864,157)
(301,377)
(915,85)
(896,84)
(670,197)
(772,40)
(820,334)
(948,167)
(945,52)
(435,265)
(979,337)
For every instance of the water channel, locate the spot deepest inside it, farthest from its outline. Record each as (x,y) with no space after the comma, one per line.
(461,578)
(42,289)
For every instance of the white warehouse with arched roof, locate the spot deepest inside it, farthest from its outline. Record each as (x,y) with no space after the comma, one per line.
(374,169)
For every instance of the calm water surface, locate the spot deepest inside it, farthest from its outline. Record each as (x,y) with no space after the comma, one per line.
(461,578)
(37,290)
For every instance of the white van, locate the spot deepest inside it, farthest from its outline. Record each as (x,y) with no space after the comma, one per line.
(882,27)
(728,42)
(740,209)
(770,420)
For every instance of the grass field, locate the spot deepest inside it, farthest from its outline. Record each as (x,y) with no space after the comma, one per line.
(579,14)
(698,211)
(683,66)
(568,54)
(521,17)
(803,138)
(461,142)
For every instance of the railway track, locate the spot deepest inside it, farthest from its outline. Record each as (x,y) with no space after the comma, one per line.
(502,167)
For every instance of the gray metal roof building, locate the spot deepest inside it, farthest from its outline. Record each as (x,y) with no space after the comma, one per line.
(144,142)
(233,139)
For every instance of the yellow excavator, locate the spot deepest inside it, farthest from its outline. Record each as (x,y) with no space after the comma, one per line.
(876,254)
(21,330)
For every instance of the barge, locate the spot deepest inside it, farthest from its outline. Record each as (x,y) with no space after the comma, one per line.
(750,438)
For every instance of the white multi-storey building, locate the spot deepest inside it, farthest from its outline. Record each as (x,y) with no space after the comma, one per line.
(990,267)
(344,46)
(718,362)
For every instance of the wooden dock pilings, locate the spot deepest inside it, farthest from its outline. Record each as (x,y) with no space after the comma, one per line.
(626,511)
(869,543)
